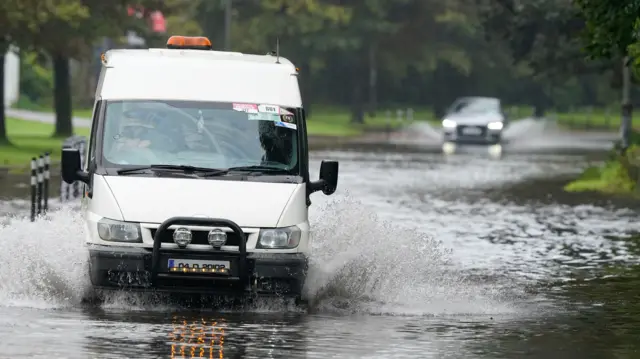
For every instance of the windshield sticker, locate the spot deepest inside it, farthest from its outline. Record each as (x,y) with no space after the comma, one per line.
(287,118)
(287,125)
(280,121)
(269,109)
(263,117)
(245,107)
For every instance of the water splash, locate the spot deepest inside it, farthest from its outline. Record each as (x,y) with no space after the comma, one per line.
(362,264)
(43,263)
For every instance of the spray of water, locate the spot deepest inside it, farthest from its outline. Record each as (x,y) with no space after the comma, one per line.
(363,264)
(43,264)
(359,264)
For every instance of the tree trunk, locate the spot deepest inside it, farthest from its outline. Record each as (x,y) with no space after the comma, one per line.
(62,95)
(358,78)
(3,127)
(373,80)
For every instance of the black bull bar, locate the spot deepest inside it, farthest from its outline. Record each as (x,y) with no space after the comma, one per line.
(241,254)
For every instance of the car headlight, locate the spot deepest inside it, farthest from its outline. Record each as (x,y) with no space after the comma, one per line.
(117,231)
(279,238)
(495,125)
(448,123)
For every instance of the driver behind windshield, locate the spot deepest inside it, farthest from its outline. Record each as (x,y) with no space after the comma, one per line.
(135,137)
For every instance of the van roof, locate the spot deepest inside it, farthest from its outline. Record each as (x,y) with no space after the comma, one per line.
(116,57)
(199,75)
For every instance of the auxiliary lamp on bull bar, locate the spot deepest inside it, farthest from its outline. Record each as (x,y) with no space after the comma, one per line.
(183,237)
(217,238)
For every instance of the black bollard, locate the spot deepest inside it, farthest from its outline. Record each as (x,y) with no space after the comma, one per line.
(40,183)
(33,189)
(47,177)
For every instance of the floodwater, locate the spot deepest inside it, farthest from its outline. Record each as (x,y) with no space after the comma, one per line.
(418,255)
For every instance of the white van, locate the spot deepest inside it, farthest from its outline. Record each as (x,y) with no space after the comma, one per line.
(197,173)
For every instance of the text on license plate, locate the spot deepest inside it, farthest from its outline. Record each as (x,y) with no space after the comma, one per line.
(198,266)
(471,131)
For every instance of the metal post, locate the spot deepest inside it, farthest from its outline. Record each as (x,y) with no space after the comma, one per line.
(227,25)
(409,115)
(388,120)
(399,114)
(40,182)
(47,177)
(33,189)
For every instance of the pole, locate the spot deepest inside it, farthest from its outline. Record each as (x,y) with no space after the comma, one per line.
(33,189)
(47,177)
(40,182)
(227,25)
(627,109)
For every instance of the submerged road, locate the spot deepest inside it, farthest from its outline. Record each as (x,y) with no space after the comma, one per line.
(417,255)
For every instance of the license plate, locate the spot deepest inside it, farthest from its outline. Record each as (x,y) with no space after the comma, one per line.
(472,131)
(198,266)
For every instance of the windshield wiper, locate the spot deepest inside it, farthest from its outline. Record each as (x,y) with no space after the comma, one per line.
(255,168)
(181,168)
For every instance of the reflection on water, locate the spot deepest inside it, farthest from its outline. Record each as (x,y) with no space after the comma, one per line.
(193,338)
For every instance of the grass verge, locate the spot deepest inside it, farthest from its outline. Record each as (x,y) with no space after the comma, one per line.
(328,121)
(597,119)
(619,175)
(30,139)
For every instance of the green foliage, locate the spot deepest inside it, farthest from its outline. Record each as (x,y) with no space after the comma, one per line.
(611,26)
(620,174)
(406,52)
(543,33)
(36,79)
(612,178)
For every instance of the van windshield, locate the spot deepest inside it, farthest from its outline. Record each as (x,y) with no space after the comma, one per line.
(199,134)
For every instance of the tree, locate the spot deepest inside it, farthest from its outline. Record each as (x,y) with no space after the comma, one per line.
(611,32)
(70,36)
(20,23)
(544,35)
(304,30)
(611,27)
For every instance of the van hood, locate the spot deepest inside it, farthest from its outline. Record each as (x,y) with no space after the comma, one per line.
(154,200)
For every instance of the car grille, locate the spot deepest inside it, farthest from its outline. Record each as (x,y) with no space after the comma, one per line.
(482,131)
(200,237)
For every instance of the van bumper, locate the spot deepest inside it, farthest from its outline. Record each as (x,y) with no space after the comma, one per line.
(143,269)
(130,268)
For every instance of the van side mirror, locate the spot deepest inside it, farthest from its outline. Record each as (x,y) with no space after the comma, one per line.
(71,166)
(328,178)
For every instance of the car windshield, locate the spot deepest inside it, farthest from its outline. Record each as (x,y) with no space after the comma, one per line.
(199,134)
(475,106)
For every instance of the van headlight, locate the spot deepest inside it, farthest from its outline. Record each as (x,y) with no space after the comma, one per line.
(117,231)
(279,238)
